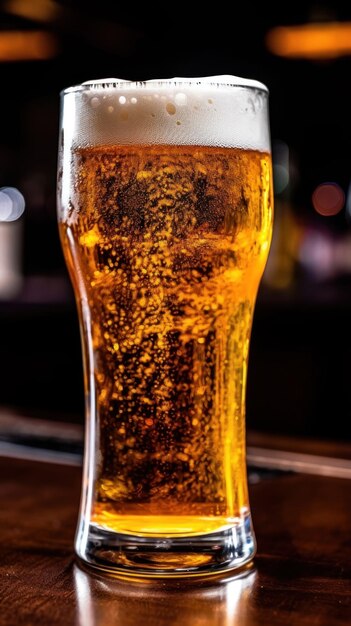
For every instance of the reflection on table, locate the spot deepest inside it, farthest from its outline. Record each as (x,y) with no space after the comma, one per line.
(105,602)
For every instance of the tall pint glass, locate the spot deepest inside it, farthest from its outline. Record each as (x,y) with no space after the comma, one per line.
(165,214)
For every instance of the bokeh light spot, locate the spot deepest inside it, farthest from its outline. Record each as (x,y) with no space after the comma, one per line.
(12,204)
(281,178)
(5,207)
(280,166)
(328,199)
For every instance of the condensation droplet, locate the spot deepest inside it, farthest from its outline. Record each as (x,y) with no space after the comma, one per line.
(110,109)
(178,123)
(122,99)
(133,100)
(210,101)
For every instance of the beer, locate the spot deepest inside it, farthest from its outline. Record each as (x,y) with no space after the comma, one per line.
(165,212)
(166,246)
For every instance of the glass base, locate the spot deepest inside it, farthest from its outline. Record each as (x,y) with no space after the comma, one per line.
(201,555)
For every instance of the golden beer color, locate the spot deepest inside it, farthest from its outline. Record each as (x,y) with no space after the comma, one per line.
(166,246)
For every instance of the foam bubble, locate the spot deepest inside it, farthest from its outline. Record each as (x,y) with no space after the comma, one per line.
(211,111)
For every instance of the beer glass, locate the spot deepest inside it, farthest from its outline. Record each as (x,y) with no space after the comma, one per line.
(165,214)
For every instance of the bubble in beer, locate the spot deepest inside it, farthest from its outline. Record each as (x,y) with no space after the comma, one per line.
(95,102)
(170,108)
(180,99)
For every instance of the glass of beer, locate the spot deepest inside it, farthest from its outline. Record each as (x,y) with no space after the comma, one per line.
(165,217)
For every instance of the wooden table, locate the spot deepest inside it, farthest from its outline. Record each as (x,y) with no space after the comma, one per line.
(301,575)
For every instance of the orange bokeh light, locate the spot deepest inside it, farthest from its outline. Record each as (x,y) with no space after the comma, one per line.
(311,41)
(26,45)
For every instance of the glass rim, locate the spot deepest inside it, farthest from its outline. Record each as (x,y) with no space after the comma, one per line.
(166,83)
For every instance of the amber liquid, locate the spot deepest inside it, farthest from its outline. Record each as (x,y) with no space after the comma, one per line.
(166,247)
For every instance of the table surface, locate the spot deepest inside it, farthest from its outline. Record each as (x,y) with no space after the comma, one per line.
(301,574)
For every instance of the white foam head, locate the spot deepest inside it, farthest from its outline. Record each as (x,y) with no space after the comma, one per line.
(212,111)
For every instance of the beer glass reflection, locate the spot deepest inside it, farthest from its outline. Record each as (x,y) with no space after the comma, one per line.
(108,602)
(165,210)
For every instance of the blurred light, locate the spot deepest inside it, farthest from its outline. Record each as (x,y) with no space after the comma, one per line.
(71,17)
(16,45)
(328,199)
(280,166)
(39,10)
(317,255)
(311,41)
(348,203)
(12,204)
(281,178)
(5,207)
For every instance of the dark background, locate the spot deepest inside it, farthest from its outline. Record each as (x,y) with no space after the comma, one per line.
(301,343)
